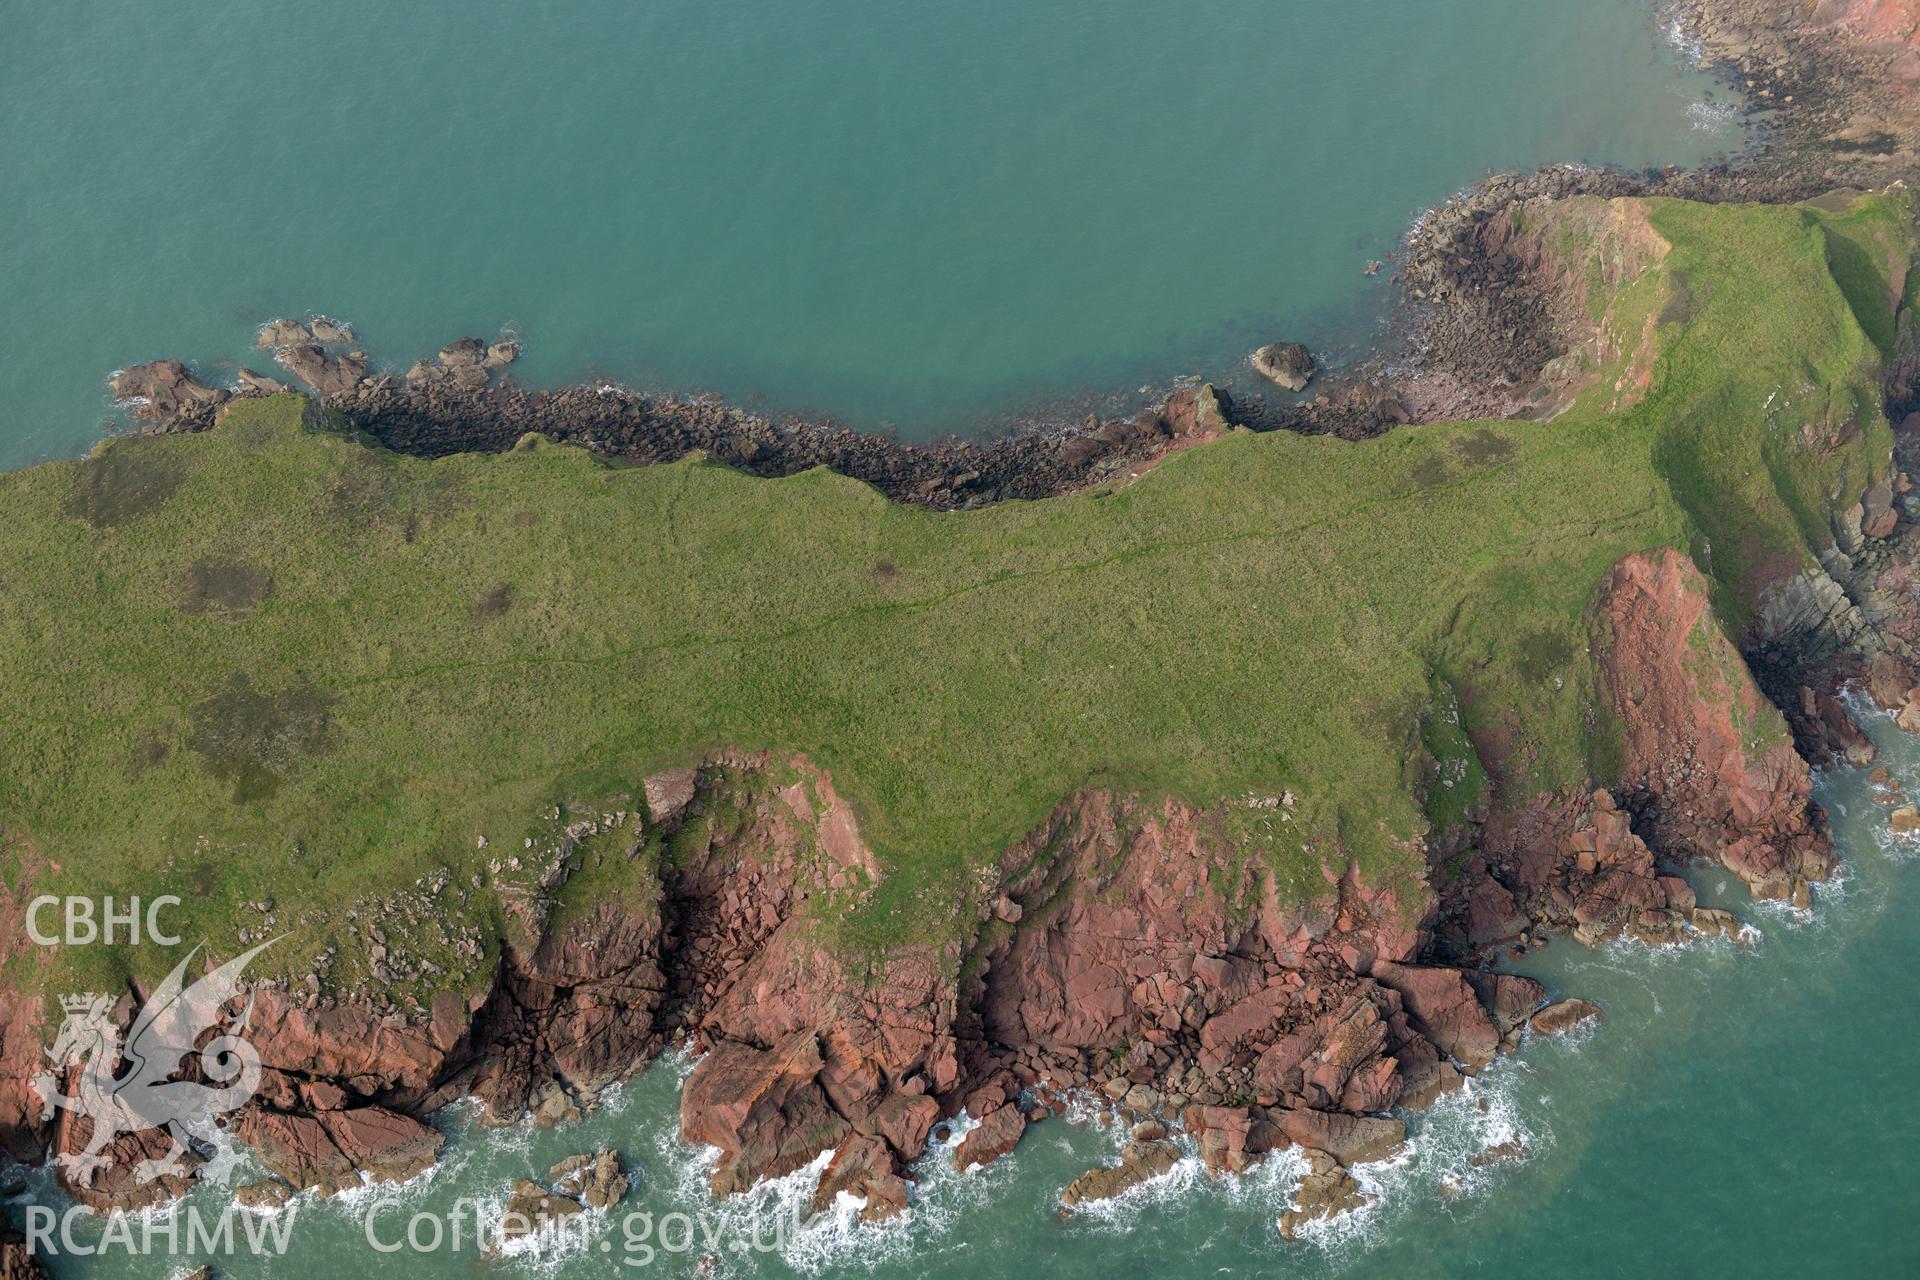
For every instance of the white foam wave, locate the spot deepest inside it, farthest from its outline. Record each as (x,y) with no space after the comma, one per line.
(1710,116)
(1179,1183)
(1457,1150)
(1680,32)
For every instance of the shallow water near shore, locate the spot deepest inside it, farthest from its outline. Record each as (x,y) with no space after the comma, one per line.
(1743,1110)
(920,217)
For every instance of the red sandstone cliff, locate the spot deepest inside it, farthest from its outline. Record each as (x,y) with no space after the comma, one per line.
(1120,947)
(1707,764)
(1707,774)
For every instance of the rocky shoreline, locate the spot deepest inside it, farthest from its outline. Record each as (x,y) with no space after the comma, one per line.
(1478,332)
(454,404)
(1121,952)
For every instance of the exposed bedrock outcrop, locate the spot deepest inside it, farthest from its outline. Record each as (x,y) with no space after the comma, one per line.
(1706,768)
(329,374)
(17,1261)
(1107,956)
(1707,774)
(1121,949)
(165,391)
(333,1150)
(436,415)
(1289,364)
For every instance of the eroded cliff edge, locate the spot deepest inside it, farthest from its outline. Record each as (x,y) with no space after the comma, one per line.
(1127,946)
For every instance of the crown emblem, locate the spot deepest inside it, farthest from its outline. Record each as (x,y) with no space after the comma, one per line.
(78,1002)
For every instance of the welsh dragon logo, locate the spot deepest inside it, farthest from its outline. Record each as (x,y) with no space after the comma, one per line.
(131,1090)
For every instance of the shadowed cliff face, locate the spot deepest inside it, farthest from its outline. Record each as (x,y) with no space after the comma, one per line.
(1707,765)
(1706,775)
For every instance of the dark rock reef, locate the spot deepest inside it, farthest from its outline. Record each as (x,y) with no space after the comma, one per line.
(453,404)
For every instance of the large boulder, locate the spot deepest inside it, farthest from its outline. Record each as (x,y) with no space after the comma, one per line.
(865,1168)
(1234,1139)
(1890,681)
(1139,1162)
(1197,413)
(1326,1191)
(764,1107)
(1493,914)
(335,1150)
(903,1120)
(1288,363)
(464,351)
(992,1138)
(1563,1015)
(329,375)
(1445,1009)
(597,1180)
(1349,1139)
(265,1195)
(331,332)
(1509,997)
(282,333)
(1827,733)
(260,383)
(531,1209)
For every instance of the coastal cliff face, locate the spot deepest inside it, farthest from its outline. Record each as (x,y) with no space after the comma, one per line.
(1707,774)
(1122,947)
(1708,765)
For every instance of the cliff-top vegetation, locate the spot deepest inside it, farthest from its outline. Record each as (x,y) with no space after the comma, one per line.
(280,672)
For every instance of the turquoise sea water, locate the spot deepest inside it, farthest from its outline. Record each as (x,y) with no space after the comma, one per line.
(893,211)
(1743,1111)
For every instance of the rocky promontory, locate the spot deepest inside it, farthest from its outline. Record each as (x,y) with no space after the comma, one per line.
(1127,948)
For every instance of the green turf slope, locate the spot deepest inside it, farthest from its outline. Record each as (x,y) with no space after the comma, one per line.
(270,661)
